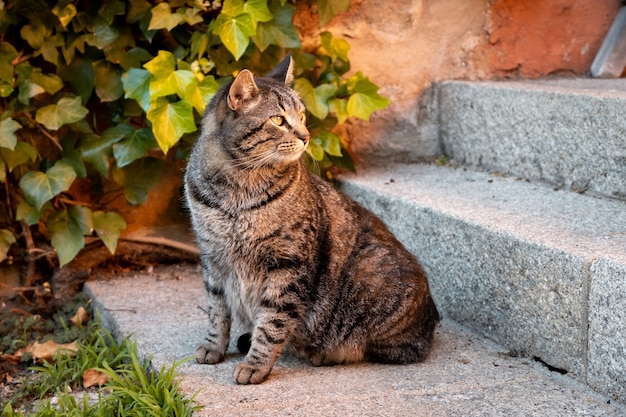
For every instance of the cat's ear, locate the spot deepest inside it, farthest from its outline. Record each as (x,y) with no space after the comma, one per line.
(242,89)
(283,72)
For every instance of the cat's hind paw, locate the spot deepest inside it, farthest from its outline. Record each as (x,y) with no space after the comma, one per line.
(207,354)
(249,374)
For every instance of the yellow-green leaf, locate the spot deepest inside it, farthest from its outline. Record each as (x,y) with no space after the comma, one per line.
(6,240)
(170,121)
(29,213)
(67,110)
(329,8)
(257,9)
(39,188)
(365,99)
(235,32)
(8,127)
(108,227)
(22,153)
(52,83)
(66,235)
(315,99)
(163,18)
(65,13)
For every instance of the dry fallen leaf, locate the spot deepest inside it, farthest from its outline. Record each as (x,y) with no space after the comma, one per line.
(93,377)
(46,351)
(80,317)
(14,359)
(41,351)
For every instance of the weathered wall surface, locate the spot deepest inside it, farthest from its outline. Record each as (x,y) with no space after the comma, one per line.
(407,45)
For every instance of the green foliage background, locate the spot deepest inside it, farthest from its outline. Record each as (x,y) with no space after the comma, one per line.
(103,93)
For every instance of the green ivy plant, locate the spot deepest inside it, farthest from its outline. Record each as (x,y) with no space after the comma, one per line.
(98,95)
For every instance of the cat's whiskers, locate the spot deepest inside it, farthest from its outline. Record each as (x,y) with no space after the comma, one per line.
(256,161)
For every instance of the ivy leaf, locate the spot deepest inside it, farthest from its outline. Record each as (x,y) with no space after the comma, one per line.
(66,234)
(191,15)
(280,31)
(7,54)
(29,90)
(67,110)
(83,218)
(51,83)
(22,153)
(80,75)
(39,188)
(235,32)
(178,82)
(108,227)
(73,158)
(136,84)
(8,127)
(133,147)
(65,13)
(170,121)
(97,150)
(166,79)
(365,98)
(29,213)
(34,33)
(49,49)
(339,106)
(138,178)
(316,148)
(331,143)
(103,34)
(329,8)
(107,81)
(334,47)
(315,99)
(257,9)
(162,65)
(110,9)
(163,18)
(208,87)
(6,240)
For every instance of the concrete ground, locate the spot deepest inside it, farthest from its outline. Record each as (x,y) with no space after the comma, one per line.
(464,375)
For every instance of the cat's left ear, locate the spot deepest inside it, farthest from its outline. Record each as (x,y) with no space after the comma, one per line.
(283,72)
(241,90)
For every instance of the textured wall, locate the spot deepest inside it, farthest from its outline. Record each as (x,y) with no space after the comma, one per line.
(406,45)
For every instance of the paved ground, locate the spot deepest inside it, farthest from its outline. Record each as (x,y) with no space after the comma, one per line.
(464,376)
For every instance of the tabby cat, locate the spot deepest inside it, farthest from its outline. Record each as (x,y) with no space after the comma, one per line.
(303,267)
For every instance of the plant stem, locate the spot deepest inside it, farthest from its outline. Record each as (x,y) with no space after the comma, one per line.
(47,134)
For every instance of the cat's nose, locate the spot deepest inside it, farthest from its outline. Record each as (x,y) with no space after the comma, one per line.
(304,136)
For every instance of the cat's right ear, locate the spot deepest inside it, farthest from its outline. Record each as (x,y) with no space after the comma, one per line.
(242,89)
(284,71)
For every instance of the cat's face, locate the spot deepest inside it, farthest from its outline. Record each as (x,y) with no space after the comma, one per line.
(267,124)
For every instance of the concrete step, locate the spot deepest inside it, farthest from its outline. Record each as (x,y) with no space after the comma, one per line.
(568,132)
(540,271)
(464,375)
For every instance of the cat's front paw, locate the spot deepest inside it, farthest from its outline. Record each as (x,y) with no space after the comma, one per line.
(248,374)
(208,354)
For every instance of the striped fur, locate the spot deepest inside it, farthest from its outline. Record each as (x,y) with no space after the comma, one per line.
(301,265)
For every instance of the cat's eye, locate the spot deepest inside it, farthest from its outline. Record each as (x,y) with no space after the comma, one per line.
(302,118)
(277,120)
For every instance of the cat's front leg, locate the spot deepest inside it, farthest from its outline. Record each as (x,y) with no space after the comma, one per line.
(218,336)
(275,324)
